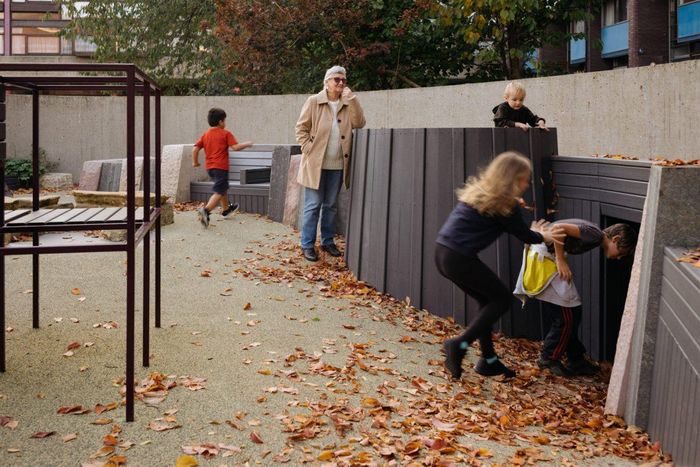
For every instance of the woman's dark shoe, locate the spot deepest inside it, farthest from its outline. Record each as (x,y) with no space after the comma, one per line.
(309,254)
(496,368)
(454,354)
(554,366)
(582,367)
(331,250)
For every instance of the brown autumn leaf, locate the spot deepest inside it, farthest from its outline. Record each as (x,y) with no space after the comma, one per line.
(70,437)
(75,291)
(73,410)
(159,426)
(99,408)
(8,422)
(103,452)
(349,326)
(102,421)
(186,461)
(247,306)
(326,456)
(73,346)
(255,437)
(443,426)
(405,339)
(541,439)
(116,460)
(110,440)
(205,273)
(43,434)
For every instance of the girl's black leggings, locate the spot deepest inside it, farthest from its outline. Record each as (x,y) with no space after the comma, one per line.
(478,281)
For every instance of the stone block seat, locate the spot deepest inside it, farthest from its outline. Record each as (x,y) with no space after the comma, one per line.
(249,179)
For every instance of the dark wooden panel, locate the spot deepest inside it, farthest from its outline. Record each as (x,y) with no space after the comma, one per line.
(405,220)
(559,166)
(439,200)
(374,236)
(629,172)
(479,152)
(2,112)
(356,219)
(621,212)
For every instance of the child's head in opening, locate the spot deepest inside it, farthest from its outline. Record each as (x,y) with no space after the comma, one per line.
(620,240)
(216,117)
(496,190)
(514,94)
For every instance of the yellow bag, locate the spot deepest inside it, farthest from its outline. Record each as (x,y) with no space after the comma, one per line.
(538,272)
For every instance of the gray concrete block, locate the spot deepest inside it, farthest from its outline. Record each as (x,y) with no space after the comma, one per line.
(110,175)
(90,176)
(672,219)
(278,182)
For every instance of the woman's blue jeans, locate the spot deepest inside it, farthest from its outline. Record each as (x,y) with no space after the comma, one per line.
(322,201)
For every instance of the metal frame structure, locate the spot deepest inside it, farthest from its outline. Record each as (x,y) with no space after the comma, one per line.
(128,80)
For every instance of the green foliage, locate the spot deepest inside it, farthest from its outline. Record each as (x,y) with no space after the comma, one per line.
(172,41)
(507,32)
(279,47)
(22,169)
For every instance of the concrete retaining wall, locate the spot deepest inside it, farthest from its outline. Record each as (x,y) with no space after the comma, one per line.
(647,112)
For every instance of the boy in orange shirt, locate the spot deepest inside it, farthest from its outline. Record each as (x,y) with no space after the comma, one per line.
(216,141)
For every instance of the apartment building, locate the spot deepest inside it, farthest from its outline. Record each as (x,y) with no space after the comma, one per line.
(631,33)
(31,27)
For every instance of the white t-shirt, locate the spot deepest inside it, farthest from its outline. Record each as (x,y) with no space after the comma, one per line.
(333,159)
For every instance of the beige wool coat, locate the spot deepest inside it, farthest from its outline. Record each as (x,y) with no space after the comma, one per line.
(313,130)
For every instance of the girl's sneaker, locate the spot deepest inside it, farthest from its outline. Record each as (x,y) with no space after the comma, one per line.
(496,368)
(454,354)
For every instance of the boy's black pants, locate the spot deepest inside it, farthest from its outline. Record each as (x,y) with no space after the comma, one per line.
(478,281)
(563,335)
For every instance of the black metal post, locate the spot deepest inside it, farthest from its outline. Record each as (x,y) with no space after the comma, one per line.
(130,256)
(158,221)
(146,218)
(35,206)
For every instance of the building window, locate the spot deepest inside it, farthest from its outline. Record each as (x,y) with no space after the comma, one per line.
(47,45)
(614,11)
(19,44)
(578,27)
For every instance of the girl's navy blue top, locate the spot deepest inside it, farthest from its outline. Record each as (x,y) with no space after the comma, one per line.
(467,232)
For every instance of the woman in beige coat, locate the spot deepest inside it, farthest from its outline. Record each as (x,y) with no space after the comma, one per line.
(324,131)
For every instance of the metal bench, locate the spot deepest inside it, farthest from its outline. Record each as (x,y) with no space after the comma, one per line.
(249,179)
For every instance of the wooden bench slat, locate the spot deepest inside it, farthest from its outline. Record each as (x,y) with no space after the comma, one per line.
(14,214)
(85,216)
(104,214)
(119,216)
(49,217)
(69,215)
(30,217)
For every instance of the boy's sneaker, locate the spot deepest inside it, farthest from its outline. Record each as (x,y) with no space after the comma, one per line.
(496,368)
(233,207)
(203,216)
(582,367)
(554,366)
(454,354)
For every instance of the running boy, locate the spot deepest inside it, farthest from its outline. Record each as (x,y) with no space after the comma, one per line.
(513,113)
(617,241)
(216,141)
(487,207)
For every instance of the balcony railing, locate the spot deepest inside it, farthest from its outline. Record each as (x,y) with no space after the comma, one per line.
(615,40)
(689,22)
(577,51)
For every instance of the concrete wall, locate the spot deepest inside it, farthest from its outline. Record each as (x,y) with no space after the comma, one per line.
(647,112)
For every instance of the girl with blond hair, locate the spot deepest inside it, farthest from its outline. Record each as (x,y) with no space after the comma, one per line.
(487,207)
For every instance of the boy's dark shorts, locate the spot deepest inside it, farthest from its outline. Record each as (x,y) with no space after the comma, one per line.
(220,179)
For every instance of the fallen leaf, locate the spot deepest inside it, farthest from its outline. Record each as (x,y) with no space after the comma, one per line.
(73,345)
(247,306)
(75,291)
(43,434)
(73,410)
(70,437)
(70,353)
(158,426)
(254,437)
(110,440)
(102,421)
(186,461)
(103,452)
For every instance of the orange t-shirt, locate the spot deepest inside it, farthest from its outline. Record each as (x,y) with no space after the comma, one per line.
(216,142)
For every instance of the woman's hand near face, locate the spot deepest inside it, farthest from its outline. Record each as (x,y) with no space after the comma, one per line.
(346,91)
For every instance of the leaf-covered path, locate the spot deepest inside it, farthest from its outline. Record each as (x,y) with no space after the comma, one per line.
(266,359)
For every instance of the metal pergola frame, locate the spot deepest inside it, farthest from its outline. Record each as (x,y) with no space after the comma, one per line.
(129,81)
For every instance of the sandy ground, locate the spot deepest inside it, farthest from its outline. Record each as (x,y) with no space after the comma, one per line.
(253,386)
